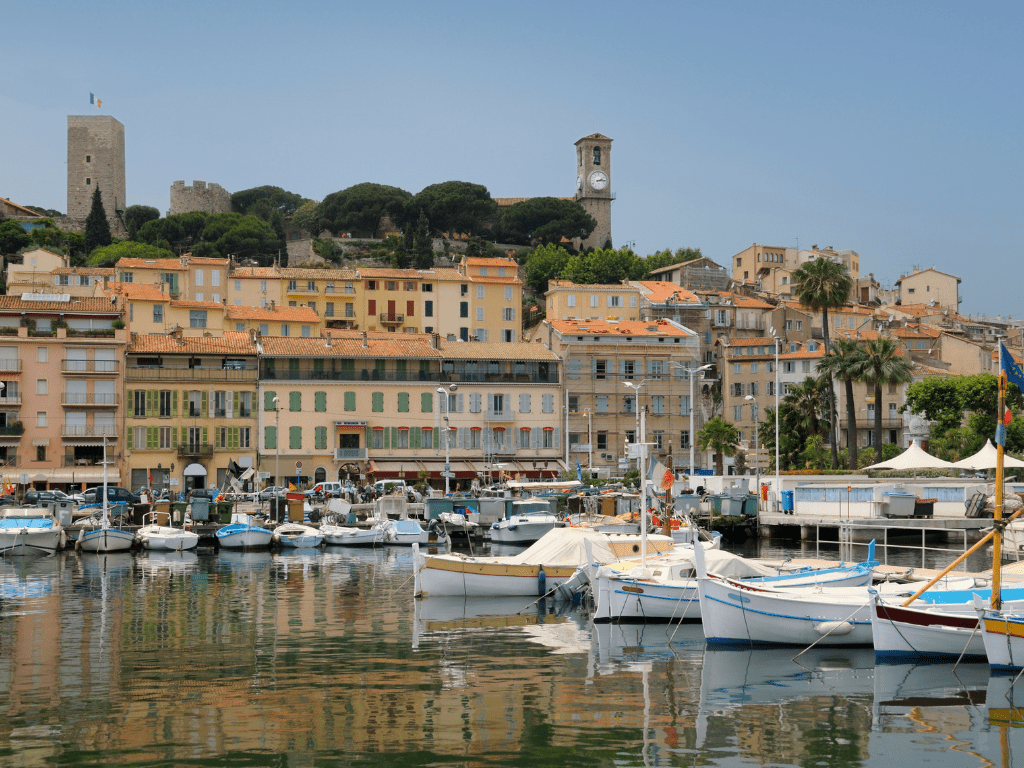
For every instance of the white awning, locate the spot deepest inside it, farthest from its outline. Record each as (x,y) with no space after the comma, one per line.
(195,470)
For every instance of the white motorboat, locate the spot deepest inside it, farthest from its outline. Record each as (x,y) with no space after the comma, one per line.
(551,562)
(405,532)
(346,536)
(297,536)
(29,531)
(98,535)
(243,533)
(526,522)
(165,538)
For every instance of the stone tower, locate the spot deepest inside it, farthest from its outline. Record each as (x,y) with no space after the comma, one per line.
(594,185)
(95,158)
(212,198)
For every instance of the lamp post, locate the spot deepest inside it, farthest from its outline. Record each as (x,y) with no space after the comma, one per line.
(637,438)
(754,413)
(778,482)
(447,434)
(590,440)
(689,374)
(277,447)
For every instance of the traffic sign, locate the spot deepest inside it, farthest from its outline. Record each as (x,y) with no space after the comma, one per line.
(447,474)
(298,465)
(447,467)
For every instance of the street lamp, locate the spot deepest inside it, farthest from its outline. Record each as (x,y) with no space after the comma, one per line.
(778,486)
(590,440)
(277,446)
(447,433)
(754,413)
(689,374)
(637,438)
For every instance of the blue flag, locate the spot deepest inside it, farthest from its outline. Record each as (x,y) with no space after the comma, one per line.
(1014,375)
(92,99)
(579,472)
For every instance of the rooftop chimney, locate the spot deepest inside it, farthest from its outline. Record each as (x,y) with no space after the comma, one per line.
(363,334)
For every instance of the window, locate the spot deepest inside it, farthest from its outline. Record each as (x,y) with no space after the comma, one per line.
(593,301)
(684,405)
(799,325)
(463,309)
(479,314)
(293,285)
(199,277)
(320,438)
(508,293)
(614,301)
(769,388)
(788,367)
(164,437)
(657,404)
(573,366)
(41,386)
(549,438)
(286,329)
(753,388)
(524,437)
(195,403)
(428,308)
(295,438)
(350,309)
(244,404)
(474,438)
(548,403)
(403,402)
(629,404)
(805,366)
(165,402)
(220,404)
(509,313)
(127,277)
(329,309)
(139,403)
(656,368)
(40,418)
(600,369)
(294,401)
(377,438)
(628,369)
(350,401)
(659,440)
(311,285)
(88,158)
(737,389)
(158,313)
(377,399)
(892,410)
(41,354)
(197,318)
(601,404)
(737,413)
(264,329)
(497,404)
(88,181)
(319,401)
(684,438)
(306,331)
(573,403)
(753,367)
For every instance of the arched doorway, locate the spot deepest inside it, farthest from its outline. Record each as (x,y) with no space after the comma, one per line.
(195,477)
(319,475)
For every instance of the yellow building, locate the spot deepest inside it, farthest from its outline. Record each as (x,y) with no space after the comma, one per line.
(567,300)
(188,278)
(274,320)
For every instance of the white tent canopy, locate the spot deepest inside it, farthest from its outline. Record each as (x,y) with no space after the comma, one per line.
(914,458)
(986,459)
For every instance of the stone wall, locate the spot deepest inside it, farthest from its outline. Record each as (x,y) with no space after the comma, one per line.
(212,198)
(95,158)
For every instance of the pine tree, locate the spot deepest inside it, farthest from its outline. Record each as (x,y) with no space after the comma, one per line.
(424,249)
(97,228)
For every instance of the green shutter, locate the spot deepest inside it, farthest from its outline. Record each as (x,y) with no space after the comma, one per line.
(174,437)
(320,401)
(131,438)
(174,403)
(437,438)
(232,437)
(295,438)
(295,401)
(204,405)
(236,405)
(151,406)
(394,437)
(415,437)
(369,436)
(350,401)
(206,440)
(387,438)
(150,438)
(427,402)
(268,400)
(378,402)
(403,402)
(321,438)
(270,437)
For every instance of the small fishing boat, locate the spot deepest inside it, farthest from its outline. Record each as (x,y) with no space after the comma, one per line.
(29,531)
(164,538)
(243,533)
(96,534)
(347,536)
(526,522)
(297,536)
(405,532)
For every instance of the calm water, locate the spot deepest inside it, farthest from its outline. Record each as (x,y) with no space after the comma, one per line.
(324,659)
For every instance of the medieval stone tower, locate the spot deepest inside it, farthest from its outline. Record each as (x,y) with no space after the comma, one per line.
(212,198)
(95,158)
(594,185)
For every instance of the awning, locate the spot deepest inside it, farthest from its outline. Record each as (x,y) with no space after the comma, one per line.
(91,475)
(464,470)
(194,470)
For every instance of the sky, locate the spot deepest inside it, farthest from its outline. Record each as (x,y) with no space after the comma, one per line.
(892,129)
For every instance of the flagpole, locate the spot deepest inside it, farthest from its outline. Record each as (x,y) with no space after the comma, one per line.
(997,539)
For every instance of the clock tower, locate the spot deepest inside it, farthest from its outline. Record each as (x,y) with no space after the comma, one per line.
(594,186)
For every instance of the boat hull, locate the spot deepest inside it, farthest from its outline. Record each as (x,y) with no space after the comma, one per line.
(522,529)
(439,575)
(18,542)
(352,537)
(162,538)
(105,540)
(251,538)
(913,633)
(1004,639)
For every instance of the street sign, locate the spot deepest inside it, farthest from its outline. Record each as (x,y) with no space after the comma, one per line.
(264,475)
(298,465)
(447,467)
(447,474)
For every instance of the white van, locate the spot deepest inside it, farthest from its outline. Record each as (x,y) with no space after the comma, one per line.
(383,487)
(329,488)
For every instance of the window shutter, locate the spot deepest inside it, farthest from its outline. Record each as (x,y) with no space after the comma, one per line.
(150,438)
(378,401)
(151,402)
(233,437)
(204,404)
(369,434)
(387,438)
(131,438)
(236,398)
(557,443)
(509,407)
(622,368)
(206,440)
(593,367)
(229,404)
(394,437)
(295,438)
(415,437)
(350,401)
(320,436)
(437,437)
(427,402)
(524,402)
(295,401)
(320,401)
(268,400)
(270,437)
(403,402)
(459,405)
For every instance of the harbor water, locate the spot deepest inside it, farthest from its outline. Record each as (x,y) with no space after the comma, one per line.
(322,658)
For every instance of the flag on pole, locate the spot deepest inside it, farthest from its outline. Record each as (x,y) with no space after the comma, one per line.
(579,471)
(99,104)
(660,475)
(1014,375)
(1007,417)
(150,473)
(92,99)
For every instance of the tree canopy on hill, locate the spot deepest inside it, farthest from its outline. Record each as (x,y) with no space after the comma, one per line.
(601,266)
(135,216)
(109,255)
(213,235)
(454,207)
(13,237)
(545,220)
(359,209)
(264,201)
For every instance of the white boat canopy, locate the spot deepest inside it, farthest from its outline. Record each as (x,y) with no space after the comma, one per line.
(986,459)
(914,458)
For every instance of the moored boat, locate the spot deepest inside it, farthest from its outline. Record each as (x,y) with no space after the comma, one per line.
(527,521)
(165,538)
(297,536)
(243,533)
(405,532)
(340,535)
(29,531)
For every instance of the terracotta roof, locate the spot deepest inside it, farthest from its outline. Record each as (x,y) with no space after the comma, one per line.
(197,304)
(262,273)
(164,265)
(743,302)
(277,314)
(512,279)
(493,350)
(570,286)
(79,304)
(308,273)
(804,353)
(620,328)
(232,342)
(139,291)
(660,291)
(397,346)
(27,211)
(383,273)
(479,261)
(97,271)
(745,341)
(203,260)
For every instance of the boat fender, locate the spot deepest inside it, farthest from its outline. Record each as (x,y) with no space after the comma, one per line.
(63,539)
(834,628)
(542,581)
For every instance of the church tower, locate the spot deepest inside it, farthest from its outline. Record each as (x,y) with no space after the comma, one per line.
(594,186)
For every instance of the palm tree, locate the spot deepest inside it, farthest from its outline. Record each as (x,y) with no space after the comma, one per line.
(823,284)
(808,403)
(844,363)
(883,363)
(720,436)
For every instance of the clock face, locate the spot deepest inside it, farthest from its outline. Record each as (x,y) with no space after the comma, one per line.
(598,180)
(579,183)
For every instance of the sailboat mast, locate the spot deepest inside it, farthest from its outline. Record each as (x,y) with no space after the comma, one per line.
(105,518)
(997,539)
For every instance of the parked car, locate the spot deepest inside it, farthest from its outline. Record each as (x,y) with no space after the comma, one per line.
(203,493)
(34,498)
(115,495)
(273,491)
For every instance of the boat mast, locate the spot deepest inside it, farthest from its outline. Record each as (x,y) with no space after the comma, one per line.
(997,539)
(105,520)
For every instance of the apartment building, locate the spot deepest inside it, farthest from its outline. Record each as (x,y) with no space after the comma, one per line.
(42,271)
(188,278)
(190,408)
(273,320)
(930,286)
(61,366)
(747,368)
(567,300)
(608,365)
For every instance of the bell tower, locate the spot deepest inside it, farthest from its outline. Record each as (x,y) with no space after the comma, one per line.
(594,186)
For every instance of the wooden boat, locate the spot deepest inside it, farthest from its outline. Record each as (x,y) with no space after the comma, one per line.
(165,538)
(243,533)
(297,536)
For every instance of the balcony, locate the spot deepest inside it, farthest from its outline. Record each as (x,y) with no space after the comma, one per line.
(9,365)
(507,378)
(89,430)
(88,400)
(391,318)
(345,454)
(191,374)
(90,367)
(195,450)
(10,400)
(301,289)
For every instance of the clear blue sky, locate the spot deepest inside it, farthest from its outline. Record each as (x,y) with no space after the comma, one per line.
(893,129)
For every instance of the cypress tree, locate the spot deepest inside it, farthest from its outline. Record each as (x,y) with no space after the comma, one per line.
(424,248)
(97,228)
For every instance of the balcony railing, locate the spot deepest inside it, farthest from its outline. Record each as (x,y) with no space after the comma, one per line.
(363,375)
(9,364)
(9,400)
(341,454)
(90,366)
(391,318)
(192,374)
(102,430)
(510,378)
(89,399)
(195,449)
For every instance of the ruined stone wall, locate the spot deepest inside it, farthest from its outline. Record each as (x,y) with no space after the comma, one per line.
(212,198)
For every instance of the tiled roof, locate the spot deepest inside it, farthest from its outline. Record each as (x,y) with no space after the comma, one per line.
(164,265)
(86,304)
(512,279)
(743,302)
(308,273)
(139,291)
(25,211)
(184,304)
(97,271)
(277,314)
(479,261)
(570,286)
(745,341)
(620,328)
(493,350)
(922,271)
(203,260)
(232,342)
(395,347)
(262,273)
(660,290)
